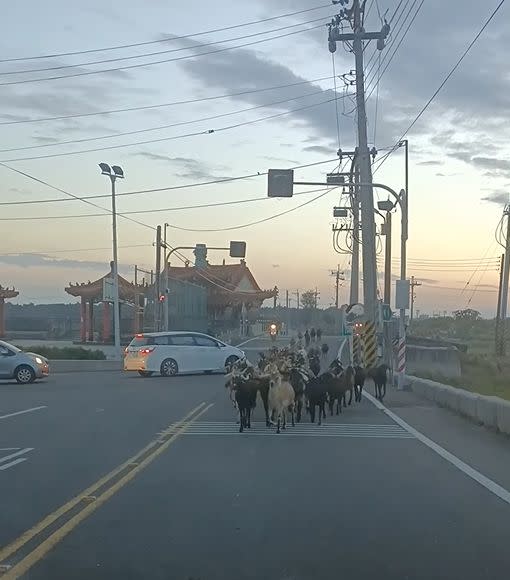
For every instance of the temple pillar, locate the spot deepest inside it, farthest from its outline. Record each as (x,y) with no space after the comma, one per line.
(90,328)
(83,320)
(107,330)
(2,317)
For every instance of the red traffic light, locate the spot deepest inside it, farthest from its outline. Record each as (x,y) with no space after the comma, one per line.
(162,298)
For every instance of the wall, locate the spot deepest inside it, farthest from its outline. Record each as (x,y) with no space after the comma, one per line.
(437,360)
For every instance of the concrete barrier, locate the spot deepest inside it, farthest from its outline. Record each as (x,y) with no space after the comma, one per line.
(444,360)
(84,366)
(492,412)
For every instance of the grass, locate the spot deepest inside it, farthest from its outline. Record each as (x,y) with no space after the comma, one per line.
(66,353)
(481,373)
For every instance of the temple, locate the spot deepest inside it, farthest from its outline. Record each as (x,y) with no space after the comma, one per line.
(99,292)
(5,294)
(230,287)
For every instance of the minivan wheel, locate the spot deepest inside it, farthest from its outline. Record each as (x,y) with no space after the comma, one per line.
(169,368)
(24,375)
(145,373)
(230,361)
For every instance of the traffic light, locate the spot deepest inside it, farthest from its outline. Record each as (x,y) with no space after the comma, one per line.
(162,297)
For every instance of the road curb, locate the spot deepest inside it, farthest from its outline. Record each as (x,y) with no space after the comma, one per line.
(492,412)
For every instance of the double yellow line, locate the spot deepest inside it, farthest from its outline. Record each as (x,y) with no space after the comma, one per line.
(87,502)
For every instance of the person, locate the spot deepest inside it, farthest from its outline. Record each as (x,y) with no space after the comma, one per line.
(307,338)
(319,334)
(312,334)
(324,350)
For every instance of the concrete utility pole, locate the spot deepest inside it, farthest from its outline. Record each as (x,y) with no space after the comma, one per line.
(387,259)
(157,290)
(500,343)
(354,293)
(358,38)
(414,284)
(506,279)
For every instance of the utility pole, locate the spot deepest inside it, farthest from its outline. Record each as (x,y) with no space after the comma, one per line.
(387,259)
(500,344)
(316,298)
(354,293)
(297,298)
(506,279)
(157,290)
(414,284)
(358,38)
(338,277)
(165,281)
(286,299)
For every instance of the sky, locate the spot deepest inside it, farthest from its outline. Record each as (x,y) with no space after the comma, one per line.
(459,168)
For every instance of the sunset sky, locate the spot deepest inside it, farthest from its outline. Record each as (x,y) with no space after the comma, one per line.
(459,153)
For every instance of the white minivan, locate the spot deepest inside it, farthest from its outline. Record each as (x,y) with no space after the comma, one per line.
(173,352)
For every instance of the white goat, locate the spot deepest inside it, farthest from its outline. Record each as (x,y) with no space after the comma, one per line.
(281,397)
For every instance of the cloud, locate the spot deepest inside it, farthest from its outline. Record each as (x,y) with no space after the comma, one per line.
(430,163)
(43,260)
(499,197)
(279,159)
(187,167)
(322,149)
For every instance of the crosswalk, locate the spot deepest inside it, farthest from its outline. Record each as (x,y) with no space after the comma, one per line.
(11,456)
(259,429)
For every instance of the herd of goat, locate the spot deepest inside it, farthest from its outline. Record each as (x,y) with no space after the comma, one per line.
(289,380)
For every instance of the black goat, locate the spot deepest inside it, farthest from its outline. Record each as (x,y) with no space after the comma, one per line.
(324,350)
(337,387)
(298,382)
(317,396)
(245,394)
(359,382)
(380,378)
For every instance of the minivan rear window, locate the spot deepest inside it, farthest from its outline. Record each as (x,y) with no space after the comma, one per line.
(142,341)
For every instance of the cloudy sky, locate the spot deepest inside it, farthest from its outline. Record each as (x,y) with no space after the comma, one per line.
(459,157)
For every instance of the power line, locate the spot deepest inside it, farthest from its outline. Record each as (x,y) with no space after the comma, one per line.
(336,102)
(151,63)
(171,50)
(173,137)
(161,105)
(161,127)
(448,76)
(71,251)
(160,189)
(145,211)
(147,42)
(260,221)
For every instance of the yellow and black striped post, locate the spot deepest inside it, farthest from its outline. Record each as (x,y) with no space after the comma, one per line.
(357,355)
(370,344)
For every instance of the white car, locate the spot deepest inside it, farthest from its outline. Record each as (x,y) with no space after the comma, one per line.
(173,352)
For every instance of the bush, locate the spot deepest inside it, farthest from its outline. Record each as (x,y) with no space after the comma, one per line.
(66,353)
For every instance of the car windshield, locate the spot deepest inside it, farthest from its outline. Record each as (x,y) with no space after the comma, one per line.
(10,346)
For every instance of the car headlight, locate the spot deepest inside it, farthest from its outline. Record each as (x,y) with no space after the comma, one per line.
(39,360)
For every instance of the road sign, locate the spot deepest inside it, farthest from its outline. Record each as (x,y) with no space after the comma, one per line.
(280,182)
(237,249)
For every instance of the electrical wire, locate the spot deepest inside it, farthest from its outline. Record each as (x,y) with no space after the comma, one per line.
(449,75)
(147,42)
(171,125)
(161,61)
(71,251)
(160,189)
(377,99)
(146,211)
(336,102)
(168,51)
(173,137)
(257,222)
(161,105)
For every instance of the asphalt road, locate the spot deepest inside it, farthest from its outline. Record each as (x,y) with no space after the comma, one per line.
(360,497)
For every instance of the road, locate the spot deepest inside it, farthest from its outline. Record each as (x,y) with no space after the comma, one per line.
(111,476)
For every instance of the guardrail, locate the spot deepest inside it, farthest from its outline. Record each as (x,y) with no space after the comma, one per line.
(492,412)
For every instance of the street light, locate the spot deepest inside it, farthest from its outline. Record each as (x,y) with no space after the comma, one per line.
(114,172)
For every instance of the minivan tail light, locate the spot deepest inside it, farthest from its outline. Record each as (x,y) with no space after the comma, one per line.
(146,351)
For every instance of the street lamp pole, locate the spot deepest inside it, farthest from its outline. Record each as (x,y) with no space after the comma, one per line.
(165,279)
(113,173)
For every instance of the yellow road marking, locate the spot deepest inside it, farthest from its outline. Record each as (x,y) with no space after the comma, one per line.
(180,426)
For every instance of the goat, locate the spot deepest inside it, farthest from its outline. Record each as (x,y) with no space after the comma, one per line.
(317,396)
(324,350)
(379,376)
(281,398)
(298,381)
(314,361)
(359,382)
(245,393)
(337,387)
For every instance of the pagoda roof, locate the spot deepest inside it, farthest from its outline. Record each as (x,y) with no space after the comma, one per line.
(94,290)
(6,293)
(224,281)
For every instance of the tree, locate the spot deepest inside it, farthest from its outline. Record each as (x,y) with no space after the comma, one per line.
(308,299)
(467,314)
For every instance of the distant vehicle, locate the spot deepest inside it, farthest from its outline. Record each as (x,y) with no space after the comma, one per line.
(174,352)
(23,366)
(273,331)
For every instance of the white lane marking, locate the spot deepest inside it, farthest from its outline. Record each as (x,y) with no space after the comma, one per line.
(31,410)
(483,480)
(17,454)
(12,463)
(9,448)
(249,340)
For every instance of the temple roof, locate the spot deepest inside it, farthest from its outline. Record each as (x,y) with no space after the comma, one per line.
(8,292)
(94,290)
(227,282)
